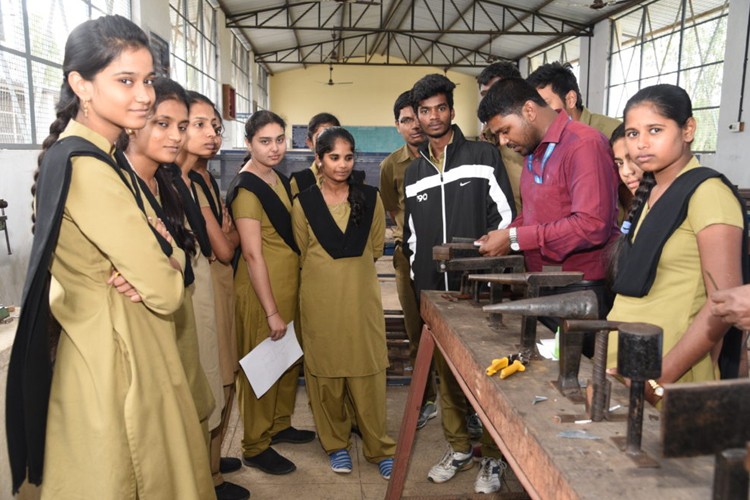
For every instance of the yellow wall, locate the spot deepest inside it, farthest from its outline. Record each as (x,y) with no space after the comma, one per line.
(296,95)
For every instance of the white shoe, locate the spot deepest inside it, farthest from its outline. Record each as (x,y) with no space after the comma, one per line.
(490,473)
(451,463)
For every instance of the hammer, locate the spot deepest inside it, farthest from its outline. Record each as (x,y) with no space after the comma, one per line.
(565,305)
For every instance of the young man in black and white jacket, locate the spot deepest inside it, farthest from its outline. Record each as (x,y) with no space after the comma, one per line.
(456,188)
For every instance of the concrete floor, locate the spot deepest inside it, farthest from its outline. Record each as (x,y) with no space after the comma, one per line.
(314,479)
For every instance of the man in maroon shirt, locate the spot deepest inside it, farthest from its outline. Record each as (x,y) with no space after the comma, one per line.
(568,187)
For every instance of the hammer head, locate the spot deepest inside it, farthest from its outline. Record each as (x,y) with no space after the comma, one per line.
(565,305)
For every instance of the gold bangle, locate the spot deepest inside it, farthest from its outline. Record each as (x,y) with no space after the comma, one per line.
(658,389)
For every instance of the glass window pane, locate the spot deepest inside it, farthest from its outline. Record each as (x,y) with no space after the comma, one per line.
(50,23)
(192,7)
(121,7)
(11,25)
(708,127)
(47,81)
(192,55)
(15,126)
(208,21)
(178,34)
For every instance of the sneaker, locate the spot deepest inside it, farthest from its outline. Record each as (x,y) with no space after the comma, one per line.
(474,426)
(341,462)
(429,410)
(451,463)
(490,472)
(386,467)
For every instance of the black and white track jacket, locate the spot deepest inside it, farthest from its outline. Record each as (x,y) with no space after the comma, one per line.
(469,198)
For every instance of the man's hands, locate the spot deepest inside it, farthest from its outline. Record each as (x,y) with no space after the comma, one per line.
(495,243)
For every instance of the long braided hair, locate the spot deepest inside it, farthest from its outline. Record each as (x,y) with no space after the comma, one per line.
(673,103)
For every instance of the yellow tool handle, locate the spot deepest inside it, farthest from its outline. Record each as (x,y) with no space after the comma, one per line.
(497,365)
(517,366)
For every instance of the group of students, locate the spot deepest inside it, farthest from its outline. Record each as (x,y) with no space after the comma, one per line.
(144,288)
(133,296)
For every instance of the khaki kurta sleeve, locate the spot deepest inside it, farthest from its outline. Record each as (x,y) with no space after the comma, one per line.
(126,239)
(247,206)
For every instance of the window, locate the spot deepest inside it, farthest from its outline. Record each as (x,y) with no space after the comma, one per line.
(568,51)
(262,87)
(242,82)
(672,41)
(32,45)
(193,46)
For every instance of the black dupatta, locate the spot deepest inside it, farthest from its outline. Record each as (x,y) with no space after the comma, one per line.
(350,243)
(277,213)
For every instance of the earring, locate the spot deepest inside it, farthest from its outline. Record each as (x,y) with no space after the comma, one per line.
(129,131)
(86,108)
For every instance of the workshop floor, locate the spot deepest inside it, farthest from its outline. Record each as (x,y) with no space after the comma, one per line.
(314,479)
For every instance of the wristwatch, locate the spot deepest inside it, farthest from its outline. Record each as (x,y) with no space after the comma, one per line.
(658,390)
(513,235)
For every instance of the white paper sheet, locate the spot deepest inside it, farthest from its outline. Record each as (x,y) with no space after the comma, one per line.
(546,348)
(270,359)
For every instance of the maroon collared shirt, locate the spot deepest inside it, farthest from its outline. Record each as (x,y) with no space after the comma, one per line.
(569,217)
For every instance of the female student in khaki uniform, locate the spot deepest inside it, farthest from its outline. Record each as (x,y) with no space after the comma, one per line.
(266,288)
(200,142)
(148,150)
(685,237)
(339,226)
(119,404)
(224,240)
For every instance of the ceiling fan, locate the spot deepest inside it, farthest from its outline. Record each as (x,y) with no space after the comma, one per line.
(330,78)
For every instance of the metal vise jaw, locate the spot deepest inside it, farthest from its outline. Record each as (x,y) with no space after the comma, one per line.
(465,258)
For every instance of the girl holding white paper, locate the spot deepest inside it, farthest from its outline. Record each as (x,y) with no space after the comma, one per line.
(266,286)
